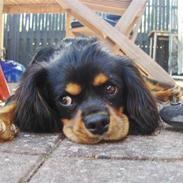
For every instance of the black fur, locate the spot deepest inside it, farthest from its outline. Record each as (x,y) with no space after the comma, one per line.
(79,60)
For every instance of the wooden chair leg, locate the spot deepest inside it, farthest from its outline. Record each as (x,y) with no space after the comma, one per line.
(68,25)
(126,23)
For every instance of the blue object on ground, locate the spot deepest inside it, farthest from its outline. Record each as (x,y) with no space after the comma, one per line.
(12,70)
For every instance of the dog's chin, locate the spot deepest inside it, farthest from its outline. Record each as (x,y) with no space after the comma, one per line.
(76,131)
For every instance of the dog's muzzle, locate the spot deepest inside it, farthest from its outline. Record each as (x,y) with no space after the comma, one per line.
(92,125)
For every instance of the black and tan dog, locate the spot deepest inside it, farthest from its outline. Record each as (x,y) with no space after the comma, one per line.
(84,90)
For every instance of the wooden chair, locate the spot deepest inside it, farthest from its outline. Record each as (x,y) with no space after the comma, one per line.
(129,27)
(120,38)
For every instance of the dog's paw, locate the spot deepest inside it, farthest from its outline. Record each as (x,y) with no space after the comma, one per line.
(7,131)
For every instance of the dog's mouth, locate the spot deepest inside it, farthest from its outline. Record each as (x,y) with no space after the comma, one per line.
(115,126)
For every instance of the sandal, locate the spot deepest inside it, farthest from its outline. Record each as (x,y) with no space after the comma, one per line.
(173,115)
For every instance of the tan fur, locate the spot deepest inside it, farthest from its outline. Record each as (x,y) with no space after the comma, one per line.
(163,93)
(7,129)
(119,125)
(73,88)
(76,131)
(100,79)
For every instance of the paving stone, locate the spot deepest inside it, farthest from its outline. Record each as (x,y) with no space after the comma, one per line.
(31,143)
(13,167)
(68,170)
(166,145)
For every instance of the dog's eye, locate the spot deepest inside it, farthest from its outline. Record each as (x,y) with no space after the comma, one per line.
(66,100)
(110,89)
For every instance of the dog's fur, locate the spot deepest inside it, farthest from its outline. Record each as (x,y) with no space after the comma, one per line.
(80,80)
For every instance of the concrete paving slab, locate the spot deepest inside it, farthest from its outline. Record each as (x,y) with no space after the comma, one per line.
(14,167)
(30,143)
(73,170)
(166,145)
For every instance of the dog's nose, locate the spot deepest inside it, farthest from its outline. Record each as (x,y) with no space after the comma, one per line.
(97,123)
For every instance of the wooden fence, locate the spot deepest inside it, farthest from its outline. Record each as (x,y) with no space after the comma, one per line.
(160,15)
(25,32)
(157,16)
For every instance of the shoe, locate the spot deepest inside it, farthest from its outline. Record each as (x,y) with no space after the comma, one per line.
(173,115)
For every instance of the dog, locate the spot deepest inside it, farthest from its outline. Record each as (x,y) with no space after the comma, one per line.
(82,89)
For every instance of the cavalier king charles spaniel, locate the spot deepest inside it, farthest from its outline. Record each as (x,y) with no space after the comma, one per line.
(82,89)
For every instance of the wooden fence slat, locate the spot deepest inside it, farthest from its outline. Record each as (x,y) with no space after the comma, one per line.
(30,31)
(148,16)
(1,29)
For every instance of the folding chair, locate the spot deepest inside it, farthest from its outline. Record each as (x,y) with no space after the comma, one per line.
(120,37)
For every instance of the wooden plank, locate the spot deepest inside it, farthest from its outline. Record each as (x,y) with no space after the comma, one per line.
(155,17)
(32,8)
(112,6)
(180,37)
(127,23)
(154,45)
(63,22)
(1,29)
(14,28)
(109,33)
(131,16)
(148,16)
(68,25)
(163,26)
(133,37)
(161,13)
(166,24)
(41,6)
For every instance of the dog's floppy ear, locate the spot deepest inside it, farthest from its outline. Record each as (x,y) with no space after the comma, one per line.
(33,111)
(140,104)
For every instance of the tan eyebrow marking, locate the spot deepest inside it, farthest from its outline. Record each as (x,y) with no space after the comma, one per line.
(73,88)
(100,79)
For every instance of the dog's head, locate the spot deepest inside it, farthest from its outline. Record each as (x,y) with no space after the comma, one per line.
(92,93)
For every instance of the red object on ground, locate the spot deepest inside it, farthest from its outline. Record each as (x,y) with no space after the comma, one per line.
(4,90)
